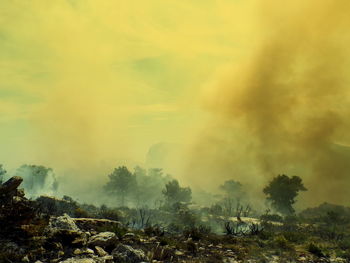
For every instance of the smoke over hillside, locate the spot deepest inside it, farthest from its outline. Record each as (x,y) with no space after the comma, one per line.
(286,109)
(223,90)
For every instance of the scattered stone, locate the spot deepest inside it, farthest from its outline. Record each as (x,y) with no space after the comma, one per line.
(64,222)
(103,239)
(100,251)
(25,259)
(77,251)
(127,254)
(78,260)
(129,235)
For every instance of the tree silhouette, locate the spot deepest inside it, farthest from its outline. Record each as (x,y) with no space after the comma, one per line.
(122,183)
(173,193)
(282,191)
(2,173)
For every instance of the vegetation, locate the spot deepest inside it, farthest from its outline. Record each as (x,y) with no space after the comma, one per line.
(173,193)
(232,189)
(140,188)
(2,173)
(282,191)
(38,180)
(230,227)
(121,184)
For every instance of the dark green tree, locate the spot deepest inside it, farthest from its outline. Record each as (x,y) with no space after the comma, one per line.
(122,183)
(2,173)
(232,189)
(282,191)
(174,193)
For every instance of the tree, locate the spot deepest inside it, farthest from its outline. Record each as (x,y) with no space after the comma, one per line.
(173,193)
(2,173)
(150,185)
(282,191)
(37,180)
(122,183)
(232,189)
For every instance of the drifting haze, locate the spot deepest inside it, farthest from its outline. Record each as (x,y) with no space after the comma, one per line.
(286,110)
(87,85)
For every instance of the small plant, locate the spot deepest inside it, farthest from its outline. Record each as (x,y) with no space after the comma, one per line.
(295,237)
(233,229)
(255,229)
(282,242)
(154,230)
(107,213)
(314,249)
(191,247)
(197,233)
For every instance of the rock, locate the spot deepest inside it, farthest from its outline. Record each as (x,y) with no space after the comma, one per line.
(10,185)
(63,229)
(15,209)
(127,254)
(129,235)
(68,238)
(78,251)
(78,260)
(89,251)
(64,222)
(25,259)
(108,259)
(100,251)
(103,239)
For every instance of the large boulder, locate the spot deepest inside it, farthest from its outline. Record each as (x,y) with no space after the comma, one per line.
(127,254)
(64,230)
(64,222)
(10,185)
(15,209)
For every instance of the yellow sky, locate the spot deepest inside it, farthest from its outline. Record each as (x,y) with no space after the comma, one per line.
(85,82)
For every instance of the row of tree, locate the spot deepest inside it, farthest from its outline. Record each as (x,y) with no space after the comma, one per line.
(153,188)
(142,187)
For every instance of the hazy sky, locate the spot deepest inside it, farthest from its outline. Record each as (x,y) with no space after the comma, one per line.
(247,88)
(88,80)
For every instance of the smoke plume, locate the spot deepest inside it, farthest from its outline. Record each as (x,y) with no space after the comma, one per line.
(285,110)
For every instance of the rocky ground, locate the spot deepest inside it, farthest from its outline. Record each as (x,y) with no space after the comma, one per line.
(27,235)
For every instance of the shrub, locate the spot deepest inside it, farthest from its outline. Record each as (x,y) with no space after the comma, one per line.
(107,213)
(295,237)
(265,235)
(197,233)
(314,249)
(80,213)
(281,242)
(344,244)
